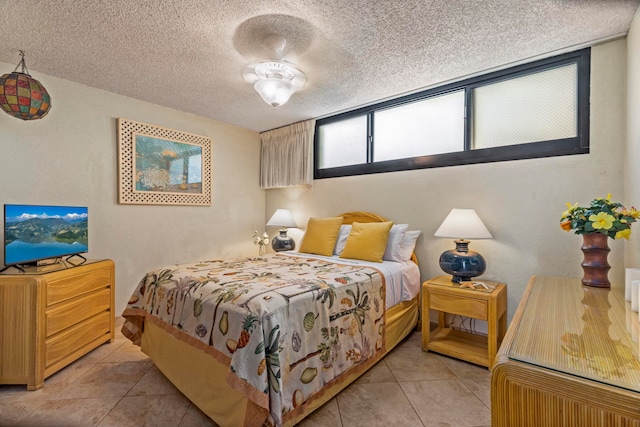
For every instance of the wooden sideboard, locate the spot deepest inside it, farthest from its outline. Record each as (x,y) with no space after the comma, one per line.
(51,316)
(570,358)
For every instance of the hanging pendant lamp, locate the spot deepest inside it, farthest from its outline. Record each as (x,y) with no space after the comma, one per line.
(22,96)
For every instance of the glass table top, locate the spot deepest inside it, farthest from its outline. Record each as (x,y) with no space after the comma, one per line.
(583,331)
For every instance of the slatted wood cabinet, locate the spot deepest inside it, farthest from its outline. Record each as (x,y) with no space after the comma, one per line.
(571,357)
(51,316)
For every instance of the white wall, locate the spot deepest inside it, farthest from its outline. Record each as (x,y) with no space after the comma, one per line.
(519,201)
(70,158)
(632,158)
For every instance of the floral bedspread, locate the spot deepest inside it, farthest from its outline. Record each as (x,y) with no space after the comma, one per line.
(285,325)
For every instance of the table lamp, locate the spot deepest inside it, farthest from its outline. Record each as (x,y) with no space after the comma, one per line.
(460,262)
(282,218)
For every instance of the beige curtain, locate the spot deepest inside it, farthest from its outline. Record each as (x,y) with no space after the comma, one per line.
(287,156)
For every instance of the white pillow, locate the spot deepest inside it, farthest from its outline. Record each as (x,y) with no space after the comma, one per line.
(345,229)
(409,243)
(394,251)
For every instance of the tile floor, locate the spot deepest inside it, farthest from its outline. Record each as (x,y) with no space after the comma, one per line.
(407,388)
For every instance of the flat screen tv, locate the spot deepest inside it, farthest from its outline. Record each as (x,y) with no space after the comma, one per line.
(34,232)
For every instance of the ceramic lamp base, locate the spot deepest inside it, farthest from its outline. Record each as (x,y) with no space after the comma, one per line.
(462,263)
(282,242)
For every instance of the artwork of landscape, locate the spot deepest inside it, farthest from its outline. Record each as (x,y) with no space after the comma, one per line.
(163,165)
(39,232)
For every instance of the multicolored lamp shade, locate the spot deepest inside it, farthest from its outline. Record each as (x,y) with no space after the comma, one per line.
(23,96)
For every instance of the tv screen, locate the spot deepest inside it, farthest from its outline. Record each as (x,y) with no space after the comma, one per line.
(36,232)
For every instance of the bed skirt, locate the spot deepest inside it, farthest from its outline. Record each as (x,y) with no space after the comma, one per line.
(183,366)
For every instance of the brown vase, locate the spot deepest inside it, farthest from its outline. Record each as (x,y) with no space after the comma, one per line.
(595,267)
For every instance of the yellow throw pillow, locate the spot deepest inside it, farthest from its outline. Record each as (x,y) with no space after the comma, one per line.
(321,235)
(367,241)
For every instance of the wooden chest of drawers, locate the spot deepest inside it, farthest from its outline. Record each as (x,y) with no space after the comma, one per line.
(50,319)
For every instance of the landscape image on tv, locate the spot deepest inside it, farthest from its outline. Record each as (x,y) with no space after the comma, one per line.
(34,233)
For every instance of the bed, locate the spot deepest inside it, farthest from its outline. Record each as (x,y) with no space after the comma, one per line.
(267,340)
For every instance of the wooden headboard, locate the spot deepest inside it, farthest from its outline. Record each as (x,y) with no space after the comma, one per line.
(351,217)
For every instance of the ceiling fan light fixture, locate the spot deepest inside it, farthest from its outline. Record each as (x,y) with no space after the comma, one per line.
(276,80)
(275,91)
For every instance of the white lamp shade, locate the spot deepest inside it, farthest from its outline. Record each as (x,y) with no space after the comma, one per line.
(274,91)
(282,218)
(463,224)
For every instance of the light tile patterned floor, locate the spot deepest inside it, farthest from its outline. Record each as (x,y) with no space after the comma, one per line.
(407,388)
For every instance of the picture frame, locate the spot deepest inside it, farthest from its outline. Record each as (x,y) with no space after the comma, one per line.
(160,166)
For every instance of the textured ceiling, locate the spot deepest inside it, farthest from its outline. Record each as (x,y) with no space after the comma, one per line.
(190,54)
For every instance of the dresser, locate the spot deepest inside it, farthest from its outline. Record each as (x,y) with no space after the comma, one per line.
(570,358)
(51,316)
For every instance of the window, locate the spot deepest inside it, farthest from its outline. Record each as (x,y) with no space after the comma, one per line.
(345,143)
(185,170)
(430,126)
(533,110)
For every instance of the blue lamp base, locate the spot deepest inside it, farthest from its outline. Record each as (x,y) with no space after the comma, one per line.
(462,263)
(282,242)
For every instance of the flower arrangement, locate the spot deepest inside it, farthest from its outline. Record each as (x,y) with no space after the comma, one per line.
(262,241)
(601,216)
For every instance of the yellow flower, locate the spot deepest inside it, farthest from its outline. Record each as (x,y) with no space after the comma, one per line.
(570,209)
(633,213)
(602,221)
(602,216)
(623,234)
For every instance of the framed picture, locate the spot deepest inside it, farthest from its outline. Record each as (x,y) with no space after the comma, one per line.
(161,166)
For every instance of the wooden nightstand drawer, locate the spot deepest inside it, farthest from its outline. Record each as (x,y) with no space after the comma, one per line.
(468,307)
(69,287)
(75,311)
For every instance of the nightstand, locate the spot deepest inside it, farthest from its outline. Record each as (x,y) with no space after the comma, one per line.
(445,296)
